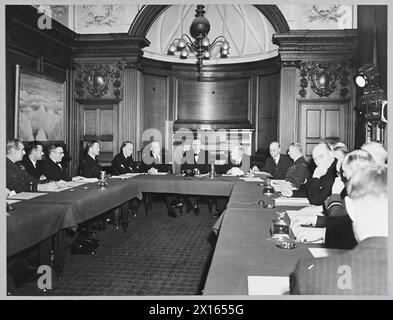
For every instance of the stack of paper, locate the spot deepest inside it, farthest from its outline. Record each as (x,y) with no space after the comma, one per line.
(259,285)
(292,202)
(280,185)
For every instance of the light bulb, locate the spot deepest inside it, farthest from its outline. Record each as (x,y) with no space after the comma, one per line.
(205,42)
(184,53)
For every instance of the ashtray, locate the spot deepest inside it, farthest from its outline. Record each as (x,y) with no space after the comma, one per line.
(288,245)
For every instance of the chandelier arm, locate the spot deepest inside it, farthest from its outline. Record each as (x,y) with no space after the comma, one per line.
(215,41)
(187,36)
(213,45)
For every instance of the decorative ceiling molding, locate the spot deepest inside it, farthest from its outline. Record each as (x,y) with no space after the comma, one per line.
(149,13)
(247,30)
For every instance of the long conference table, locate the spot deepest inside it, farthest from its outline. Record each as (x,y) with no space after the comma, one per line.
(242,248)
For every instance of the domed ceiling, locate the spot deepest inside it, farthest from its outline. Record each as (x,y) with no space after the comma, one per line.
(248,31)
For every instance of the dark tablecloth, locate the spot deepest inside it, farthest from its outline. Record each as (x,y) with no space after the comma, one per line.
(243,249)
(29,224)
(220,186)
(87,201)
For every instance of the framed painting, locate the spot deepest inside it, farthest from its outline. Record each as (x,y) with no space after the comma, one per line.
(39,107)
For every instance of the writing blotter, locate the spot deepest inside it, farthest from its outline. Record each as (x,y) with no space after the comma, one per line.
(262,285)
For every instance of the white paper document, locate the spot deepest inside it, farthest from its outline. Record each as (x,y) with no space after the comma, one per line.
(26,195)
(325,252)
(126,176)
(83,179)
(259,285)
(252,179)
(292,202)
(158,173)
(10,201)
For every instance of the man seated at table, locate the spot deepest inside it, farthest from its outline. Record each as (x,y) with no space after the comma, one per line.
(297,173)
(195,161)
(18,179)
(362,270)
(32,159)
(123,163)
(319,187)
(238,163)
(278,164)
(335,226)
(52,167)
(89,166)
(155,162)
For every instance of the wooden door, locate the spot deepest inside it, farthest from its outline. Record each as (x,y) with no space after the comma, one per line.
(101,122)
(319,120)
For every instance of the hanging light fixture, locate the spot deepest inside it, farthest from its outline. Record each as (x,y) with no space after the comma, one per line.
(201,47)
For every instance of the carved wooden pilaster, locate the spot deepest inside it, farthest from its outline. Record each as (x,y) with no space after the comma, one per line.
(129,107)
(287,112)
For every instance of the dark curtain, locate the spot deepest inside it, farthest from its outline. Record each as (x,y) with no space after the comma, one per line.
(370,19)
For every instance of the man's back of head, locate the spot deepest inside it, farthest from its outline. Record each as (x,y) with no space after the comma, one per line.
(367,202)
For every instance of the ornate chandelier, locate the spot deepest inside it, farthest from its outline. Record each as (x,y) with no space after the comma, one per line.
(201,46)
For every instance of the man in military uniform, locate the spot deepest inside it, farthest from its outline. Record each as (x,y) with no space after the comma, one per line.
(297,173)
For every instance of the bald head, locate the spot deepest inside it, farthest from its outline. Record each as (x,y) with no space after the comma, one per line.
(322,155)
(155,147)
(274,149)
(377,151)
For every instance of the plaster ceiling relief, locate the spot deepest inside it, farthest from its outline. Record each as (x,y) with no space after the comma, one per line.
(99,18)
(247,30)
(325,17)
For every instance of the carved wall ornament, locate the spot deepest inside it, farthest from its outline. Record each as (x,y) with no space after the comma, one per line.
(323,77)
(325,14)
(98,79)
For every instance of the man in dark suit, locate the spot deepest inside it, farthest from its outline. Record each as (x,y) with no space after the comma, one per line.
(238,162)
(31,160)
(319,187)
(152,163)
(123,162)
(52,167)
(89,166)
(18,179)
(197,162)
(362,270)
(278,164)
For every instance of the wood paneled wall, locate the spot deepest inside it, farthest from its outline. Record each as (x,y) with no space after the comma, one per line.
(227,97)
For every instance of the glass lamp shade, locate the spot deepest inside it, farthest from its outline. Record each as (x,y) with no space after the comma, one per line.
(205,42)
(224,53)
(172,49)
(225,45)
(184,54)
(181,44)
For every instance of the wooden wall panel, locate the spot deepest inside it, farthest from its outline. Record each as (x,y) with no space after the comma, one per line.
(267,106)
(155,103)
(332,124)
(221,100)
(313,124)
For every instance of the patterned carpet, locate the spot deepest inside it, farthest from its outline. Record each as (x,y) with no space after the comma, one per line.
(159,255)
